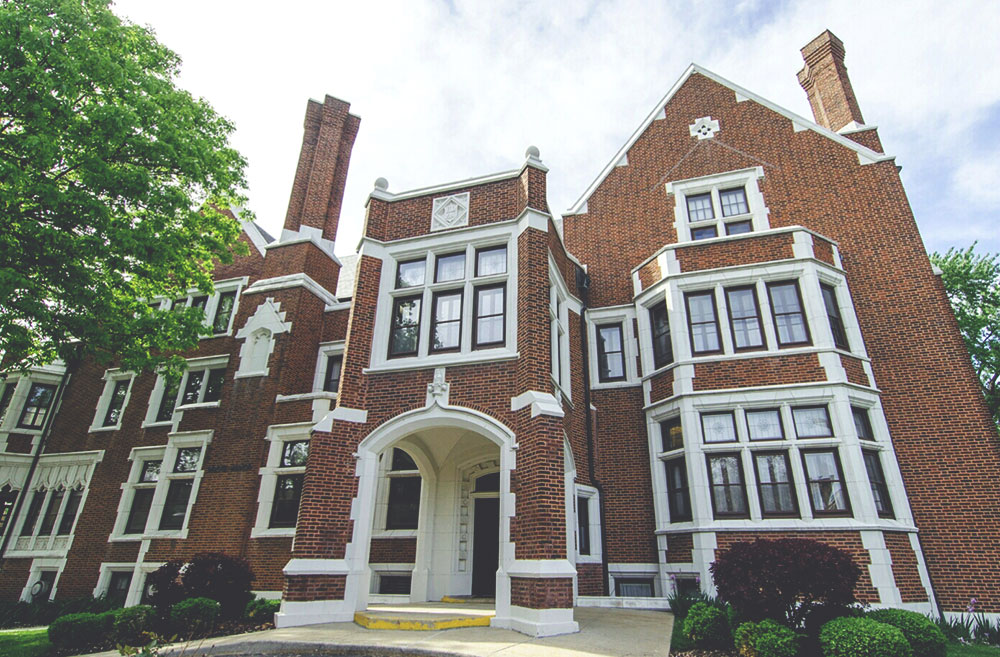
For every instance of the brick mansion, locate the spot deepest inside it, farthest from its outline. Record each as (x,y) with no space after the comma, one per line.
(735,332)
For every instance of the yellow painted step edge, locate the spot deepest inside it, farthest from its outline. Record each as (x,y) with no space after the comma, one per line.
(366,621)
(452,600)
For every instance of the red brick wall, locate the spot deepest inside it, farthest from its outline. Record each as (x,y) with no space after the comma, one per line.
(737,252)
(855,370)
(770,370)
(823,250)
(393,550)
(850,542)
(680,548)
(314,587)
(661,386)
(541,593)
(650,274)
(905,569)
(588,579)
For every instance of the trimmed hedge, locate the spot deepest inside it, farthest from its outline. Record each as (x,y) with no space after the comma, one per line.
(195,616)
(926,639)
(213,575)
(261,611)
(862,637)
(133,626)
(708,627)
(80,630)
(43,612)
(765,639)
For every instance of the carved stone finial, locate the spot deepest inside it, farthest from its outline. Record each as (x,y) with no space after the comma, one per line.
(381,183)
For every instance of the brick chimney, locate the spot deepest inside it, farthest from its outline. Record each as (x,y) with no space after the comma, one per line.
(318,189)
(824,77)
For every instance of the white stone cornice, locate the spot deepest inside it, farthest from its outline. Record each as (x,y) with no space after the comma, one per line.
(291,281)
(542,403)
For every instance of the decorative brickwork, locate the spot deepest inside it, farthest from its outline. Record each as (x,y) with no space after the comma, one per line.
(768,371)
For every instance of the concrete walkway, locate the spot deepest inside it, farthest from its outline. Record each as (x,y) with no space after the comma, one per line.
(603,633)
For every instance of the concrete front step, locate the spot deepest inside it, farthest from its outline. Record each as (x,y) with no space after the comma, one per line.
(425,616)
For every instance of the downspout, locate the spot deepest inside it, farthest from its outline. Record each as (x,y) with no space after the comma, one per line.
(46,429)
(583,285)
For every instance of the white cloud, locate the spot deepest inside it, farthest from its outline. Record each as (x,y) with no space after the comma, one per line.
(448,91)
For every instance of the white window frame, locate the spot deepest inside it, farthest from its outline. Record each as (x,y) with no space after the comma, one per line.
(713,184)
(594,525)
(385,473)
(194,364)
(429,247)
(560,304)
(38,566)
(136,586)
(48,375)
(168,456)
(277,436)
(326,349)
(624,316)
(212,304)
(111,378)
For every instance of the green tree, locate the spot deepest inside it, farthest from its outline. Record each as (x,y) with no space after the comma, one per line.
(972,281)
(111,185)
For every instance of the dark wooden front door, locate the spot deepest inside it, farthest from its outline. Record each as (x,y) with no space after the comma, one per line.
(486,547)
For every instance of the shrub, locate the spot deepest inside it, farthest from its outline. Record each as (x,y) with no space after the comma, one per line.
(922,634)
(784,579)
(681,603)
(862,637)
(133,626)
(765,639)
(261,611)
(80,630)
(164,585)
(707,626)
(194,616)
(43,612)
(819,616)
(220,577)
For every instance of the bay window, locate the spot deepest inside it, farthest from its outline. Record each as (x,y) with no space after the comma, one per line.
(825,481)
(744,318)
(728,491)
(663,351)
(775,486)
(789,318)
(703,323)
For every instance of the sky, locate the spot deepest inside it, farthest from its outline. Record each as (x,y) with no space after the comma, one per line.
(453,89)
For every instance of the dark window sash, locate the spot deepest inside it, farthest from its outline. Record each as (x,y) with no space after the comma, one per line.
(604,356)
(762,344)
(789,483)
(435,322)
(678,491)
(175,506)
(739,486)
(334,366)
(36,406)
(659,321)
(286,501)
(116,403)
(807,340)
(833,315)
(583,524)
(477,317)
(398,326)
(879,486)
(713,323)
(817,504)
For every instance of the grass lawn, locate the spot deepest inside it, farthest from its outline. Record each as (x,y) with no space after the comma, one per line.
(960,650)
(27,643)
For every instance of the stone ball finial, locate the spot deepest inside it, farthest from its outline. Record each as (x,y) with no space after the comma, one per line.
(532,152)
(381,183)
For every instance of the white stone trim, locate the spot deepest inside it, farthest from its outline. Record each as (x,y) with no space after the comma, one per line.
(537,622)
(302,567)
(258,338)
(450,212)
(277,436)
(593,498)
(615,602)
(306,234)
(542,403)
(541,568)
(326,349)
(290,281)
(343,414)
(748,179)
(39,565)
(625,317)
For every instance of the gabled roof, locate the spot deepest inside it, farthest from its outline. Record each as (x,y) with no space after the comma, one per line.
(865,154)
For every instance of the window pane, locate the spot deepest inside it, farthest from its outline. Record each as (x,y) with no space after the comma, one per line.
(295,453)
(213,388)
(728,496)
(862,423)
(51,511)
(223,312)
(671,434)
(187,459)
(734,201)
(69,515)
(634,588)
(880,490)
(789,321)
(404,503)
(491,261)
(583,524)
(150,472)
(141,501)
(410,274)
(488,483)
(739,227)
(704,233)
(405,327)
(193,387)
(743,319)
(678,497)
(704,330)
(764,425)
(826,491)
(774,479)
(176,504)
(812,422)
(663,351)
(394,584)
(447,328)
(610,355)
(718,427)
(31,516)
(116,402)
(166,410)
(489,327)
(401,461)
(199,302)
(700,207)
(450,268)
(118,585)
(833,314)
(36,406)
(333,366)
(287,495)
